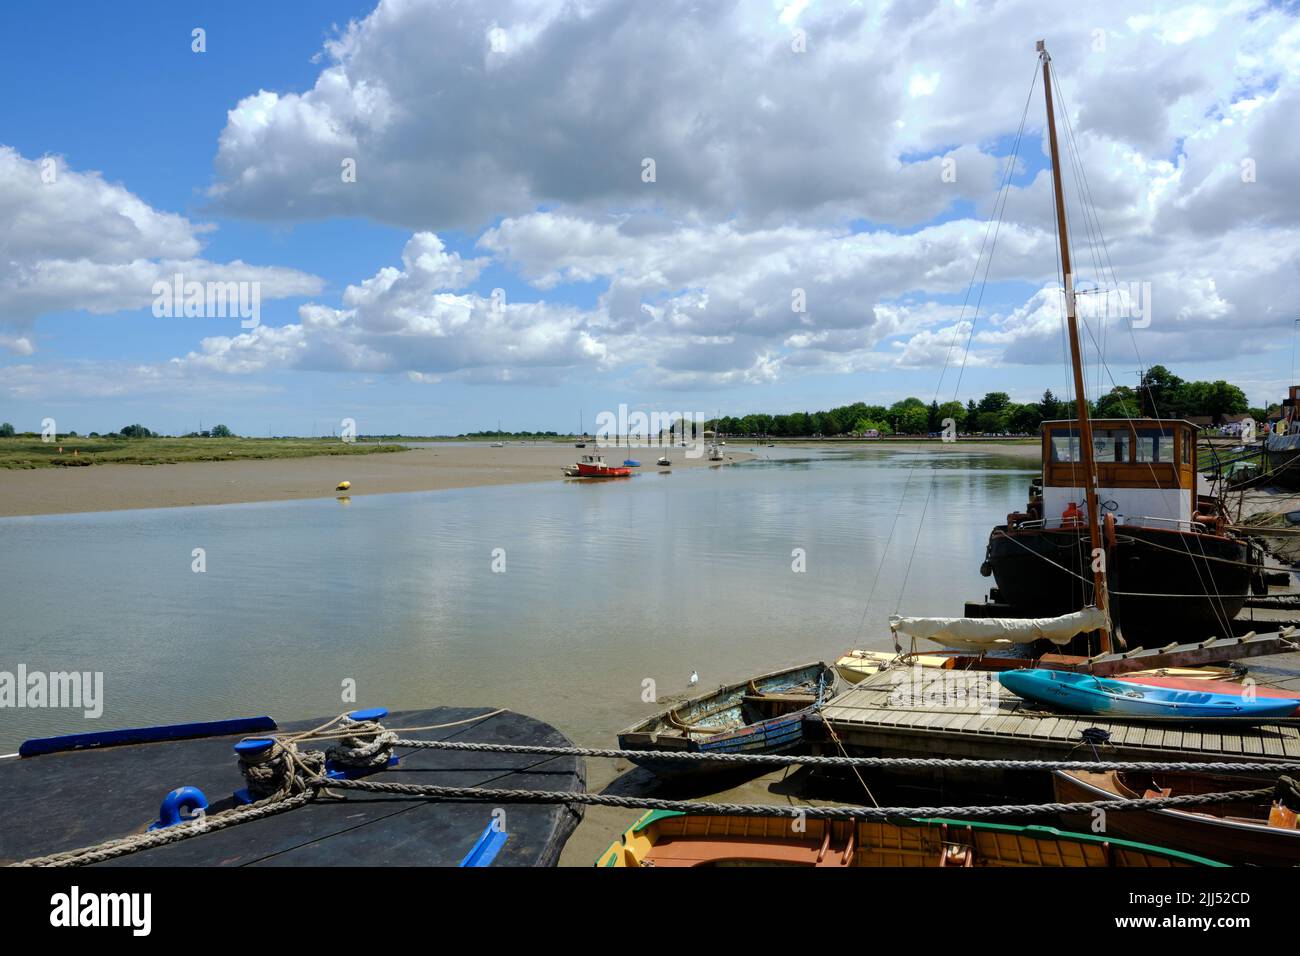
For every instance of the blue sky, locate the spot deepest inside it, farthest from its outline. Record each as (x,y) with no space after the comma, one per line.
(499,146)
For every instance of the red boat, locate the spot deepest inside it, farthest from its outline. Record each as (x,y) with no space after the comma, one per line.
(594,466)
(1208,686)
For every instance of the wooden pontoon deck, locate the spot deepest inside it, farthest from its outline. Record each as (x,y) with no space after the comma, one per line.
(864,717)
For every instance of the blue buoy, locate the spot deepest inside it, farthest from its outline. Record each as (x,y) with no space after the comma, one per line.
(179,806)
(374,713)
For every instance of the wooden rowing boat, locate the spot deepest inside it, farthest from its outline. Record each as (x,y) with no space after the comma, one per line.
(667,838)
(764,714)
(856,666)
(1232,832)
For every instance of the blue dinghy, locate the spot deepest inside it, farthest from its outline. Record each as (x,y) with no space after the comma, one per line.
(1085,694)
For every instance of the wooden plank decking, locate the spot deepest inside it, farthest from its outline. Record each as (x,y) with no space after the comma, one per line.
(998,725)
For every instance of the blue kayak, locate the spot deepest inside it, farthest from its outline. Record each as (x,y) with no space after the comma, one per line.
(1085,694)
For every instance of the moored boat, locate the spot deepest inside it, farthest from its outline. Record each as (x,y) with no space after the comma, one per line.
(855,666)
(763,715)
(1209,684)
(1117,521)
(1237,833)
(668,838)
(1086,694)
(594,466)
(65,793)
(1172,565)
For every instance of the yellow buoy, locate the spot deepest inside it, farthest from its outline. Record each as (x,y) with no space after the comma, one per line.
(344,486)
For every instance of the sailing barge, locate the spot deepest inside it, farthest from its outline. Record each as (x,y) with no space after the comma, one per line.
(1172,566)
(1117,522)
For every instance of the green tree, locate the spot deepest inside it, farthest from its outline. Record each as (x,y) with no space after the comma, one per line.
(908,417)
(1158,389)
(1023,419)
(1223,399)
(1120,402)
(994,402)
(221,431)
(136,431)
(864,425)
(6,430)
(954,410)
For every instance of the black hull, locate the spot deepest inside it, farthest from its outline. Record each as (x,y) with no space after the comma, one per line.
(1144,565)
(1284,469)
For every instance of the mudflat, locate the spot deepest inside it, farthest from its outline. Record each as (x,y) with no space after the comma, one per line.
(114,487)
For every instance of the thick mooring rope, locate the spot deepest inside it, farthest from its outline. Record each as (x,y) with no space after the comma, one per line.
(777,760)
(282,778)
(480,794)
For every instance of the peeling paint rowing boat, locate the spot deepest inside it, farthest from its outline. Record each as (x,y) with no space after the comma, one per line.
(762,715)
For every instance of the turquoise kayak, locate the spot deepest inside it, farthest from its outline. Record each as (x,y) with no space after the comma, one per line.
(1085,694)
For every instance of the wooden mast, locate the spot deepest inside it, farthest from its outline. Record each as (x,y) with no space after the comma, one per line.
(1081,399)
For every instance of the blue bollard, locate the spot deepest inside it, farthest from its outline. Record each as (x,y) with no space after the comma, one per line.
(179,806)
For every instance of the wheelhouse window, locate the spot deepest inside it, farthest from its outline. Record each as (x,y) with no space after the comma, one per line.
(1065,447)
(1110,445)
(1189,439)
(1155,446)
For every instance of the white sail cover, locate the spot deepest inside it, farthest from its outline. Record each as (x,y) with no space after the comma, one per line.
(981,633)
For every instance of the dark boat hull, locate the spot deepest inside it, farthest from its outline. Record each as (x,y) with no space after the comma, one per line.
(1284,468)
(1038,574)
(55,802)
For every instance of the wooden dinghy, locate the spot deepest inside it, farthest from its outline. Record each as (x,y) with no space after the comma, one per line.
(1085,694)
(856,666)
(762,715)
(66,793)
(668,838)
(1236,833)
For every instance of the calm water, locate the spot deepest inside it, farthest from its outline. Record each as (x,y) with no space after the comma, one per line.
(605,585)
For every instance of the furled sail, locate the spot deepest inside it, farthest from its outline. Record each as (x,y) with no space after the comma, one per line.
(982,633)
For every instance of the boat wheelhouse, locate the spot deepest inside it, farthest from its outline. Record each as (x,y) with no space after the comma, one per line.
(1173,568)
(1145,474)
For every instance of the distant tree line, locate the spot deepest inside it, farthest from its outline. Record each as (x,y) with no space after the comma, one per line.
(1160,393)
(501,434)
(1163,394)
(128,431)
